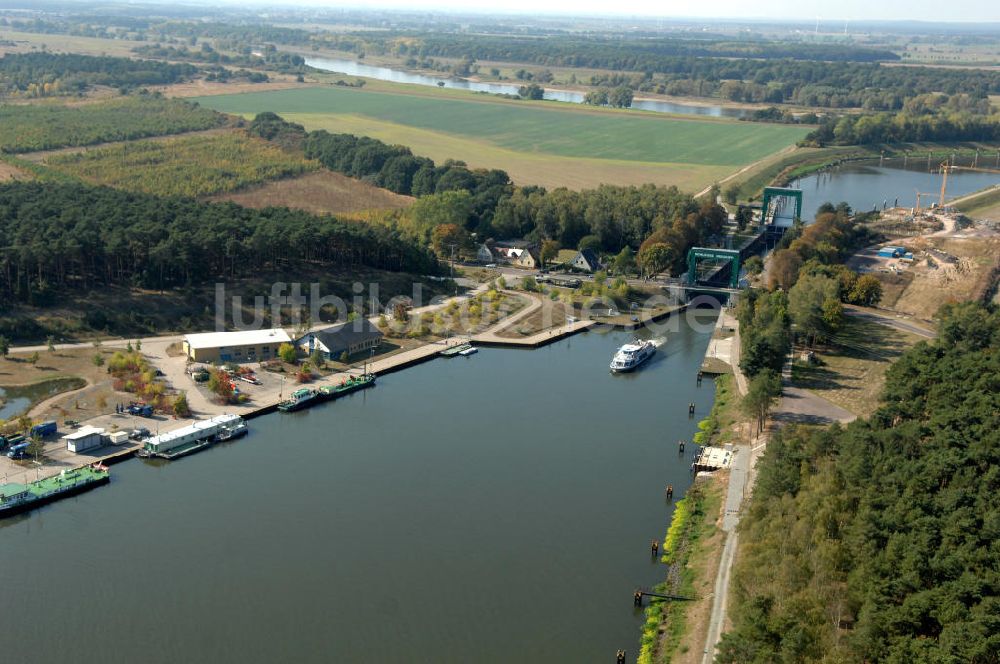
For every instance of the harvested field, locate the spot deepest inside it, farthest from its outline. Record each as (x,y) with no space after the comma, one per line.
(8,172)
(201,87)
(322,192)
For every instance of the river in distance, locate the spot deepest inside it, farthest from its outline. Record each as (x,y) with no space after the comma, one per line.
(352,68)
(490,509)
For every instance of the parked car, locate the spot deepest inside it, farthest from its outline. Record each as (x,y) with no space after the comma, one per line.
(141,433)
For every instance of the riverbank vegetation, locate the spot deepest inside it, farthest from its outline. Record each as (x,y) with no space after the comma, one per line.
(33,127)
(183,166)
(686,547)
(874,542)
(927,117)
(51,74)
(758,71)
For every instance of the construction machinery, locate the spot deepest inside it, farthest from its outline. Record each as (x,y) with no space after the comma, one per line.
(946,167)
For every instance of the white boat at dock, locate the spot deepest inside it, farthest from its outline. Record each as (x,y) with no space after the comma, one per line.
(631,355)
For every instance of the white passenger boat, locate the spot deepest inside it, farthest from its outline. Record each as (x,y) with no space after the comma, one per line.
(631,355)
(472,350)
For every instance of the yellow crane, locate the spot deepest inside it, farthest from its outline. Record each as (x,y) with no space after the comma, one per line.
(947,167)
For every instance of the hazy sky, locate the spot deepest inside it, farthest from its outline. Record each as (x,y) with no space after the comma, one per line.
(921,10)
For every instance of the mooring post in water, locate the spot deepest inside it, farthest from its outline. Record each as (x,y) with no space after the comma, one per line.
(699,378)
(670,491)
(620,657)
(637,598)
(691,409)
(654,547)
(680,447)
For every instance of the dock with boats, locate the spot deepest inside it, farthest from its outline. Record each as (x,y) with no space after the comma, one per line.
(16,498)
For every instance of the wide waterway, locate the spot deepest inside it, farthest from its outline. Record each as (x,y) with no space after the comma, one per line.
(489,509)
(352,68)
(867,184)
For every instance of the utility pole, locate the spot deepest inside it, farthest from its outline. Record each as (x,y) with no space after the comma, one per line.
(453,245)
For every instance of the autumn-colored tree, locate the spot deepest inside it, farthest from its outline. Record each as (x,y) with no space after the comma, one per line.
(656,257)
(784,270)
(446,237)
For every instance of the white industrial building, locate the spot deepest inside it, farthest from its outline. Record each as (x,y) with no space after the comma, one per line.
(85,438)
(242,346)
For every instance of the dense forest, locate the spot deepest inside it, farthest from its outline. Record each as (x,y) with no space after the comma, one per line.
(269,58)
(929,117)
(46,74)
(878,542)
(617,52)
(58,236)
(31,127)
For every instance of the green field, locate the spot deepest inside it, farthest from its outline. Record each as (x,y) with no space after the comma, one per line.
(187,166)
(31,127)
(536,142)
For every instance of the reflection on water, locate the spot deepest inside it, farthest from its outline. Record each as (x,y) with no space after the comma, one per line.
(491,510)
(867,185)
(352,68)
(12,406)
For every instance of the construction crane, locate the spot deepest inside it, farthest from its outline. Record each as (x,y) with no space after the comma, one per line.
(945,168)
(919,194)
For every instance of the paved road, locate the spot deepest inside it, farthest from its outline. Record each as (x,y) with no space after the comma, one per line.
(889,320)
(799,406)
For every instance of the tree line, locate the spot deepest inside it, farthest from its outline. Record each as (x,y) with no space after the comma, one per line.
(905,127)
(485,202)
(808,284)
(778,72)
(65,73)
(58,236)
(614,52)
(876,542)
(270,58)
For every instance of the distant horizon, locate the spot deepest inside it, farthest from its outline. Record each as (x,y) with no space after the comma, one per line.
(785,11)
(830,14)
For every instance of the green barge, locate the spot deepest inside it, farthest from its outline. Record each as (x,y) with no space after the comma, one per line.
(455,350)
(352,384)
(302,398)
(16,498)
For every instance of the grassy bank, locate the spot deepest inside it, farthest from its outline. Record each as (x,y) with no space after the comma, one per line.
(689,547)
(985,204)
(37,392)
(693,523)
(782,169)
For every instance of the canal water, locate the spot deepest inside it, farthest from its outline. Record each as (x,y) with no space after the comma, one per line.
(490,509)
(865,185)
(351,68)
